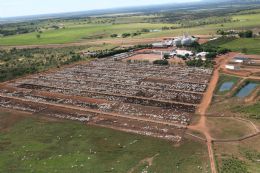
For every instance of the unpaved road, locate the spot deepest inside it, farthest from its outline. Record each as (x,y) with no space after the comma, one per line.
(206,101)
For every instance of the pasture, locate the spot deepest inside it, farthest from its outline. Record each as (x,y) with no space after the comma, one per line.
(245,45)
(34,144)
(75,31)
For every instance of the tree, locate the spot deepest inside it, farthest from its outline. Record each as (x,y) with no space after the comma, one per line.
(246,34)
(223,51)
(124,35)
(145,30)
(113,35)
(166,56)
(161,62)
(38,36)
(221,32)
(211,55)
(244,50)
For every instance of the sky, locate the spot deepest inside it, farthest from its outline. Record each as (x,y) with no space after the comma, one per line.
(12,8)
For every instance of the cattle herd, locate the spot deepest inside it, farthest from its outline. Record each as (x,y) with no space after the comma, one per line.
(139,98)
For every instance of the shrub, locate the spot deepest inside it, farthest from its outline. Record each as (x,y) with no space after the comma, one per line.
(161,62)
(124,35)
(246,34)
(113,35)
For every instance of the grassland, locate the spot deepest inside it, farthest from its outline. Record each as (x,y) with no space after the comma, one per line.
(252,110)
(30,144)
(84,31)
(246,153)
(76,33)
(228,128)
(245,45)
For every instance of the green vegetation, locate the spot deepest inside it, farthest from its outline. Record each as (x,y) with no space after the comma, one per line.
(233,165)
(200,63)
(161,62)
(250,154)
(250,110)
(114,51)
(246,34)
(223,79)
(18,62)
(245,153)
(228,128)
(75,33)
(60,31)
(245,45)
(38,145)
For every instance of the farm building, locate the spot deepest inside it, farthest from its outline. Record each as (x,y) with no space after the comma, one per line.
(159,45)
(177,42)
(202,55)
(232,67)
(181,53)
(184,40)
(240,60)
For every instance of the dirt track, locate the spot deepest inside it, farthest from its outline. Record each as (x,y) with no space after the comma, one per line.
(202,125)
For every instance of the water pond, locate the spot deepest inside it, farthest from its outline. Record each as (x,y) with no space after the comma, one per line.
(247,90)
(226,86)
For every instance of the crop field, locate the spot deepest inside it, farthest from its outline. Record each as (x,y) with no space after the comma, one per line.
(141,98)
(32,143)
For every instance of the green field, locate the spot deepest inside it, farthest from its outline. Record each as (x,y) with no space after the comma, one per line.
(249,110)
(83,31)
(228,128)
(76,33)
(38,145)
(250,45)
(238,157)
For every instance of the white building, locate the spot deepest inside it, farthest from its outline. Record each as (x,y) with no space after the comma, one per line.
(181,53)
(184,40)
(177,42)
(202,55)
(240,60)
(159,45)
(232,67)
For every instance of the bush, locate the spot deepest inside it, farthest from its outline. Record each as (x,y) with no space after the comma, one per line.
(246,34)
(223,51)
(161,62)
(124,35)
(113,35)
(211,55)
(166,56)
(145,30)
(200,63)
(233,165)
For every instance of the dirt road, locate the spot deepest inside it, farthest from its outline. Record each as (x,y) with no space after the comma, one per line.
(206,101)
